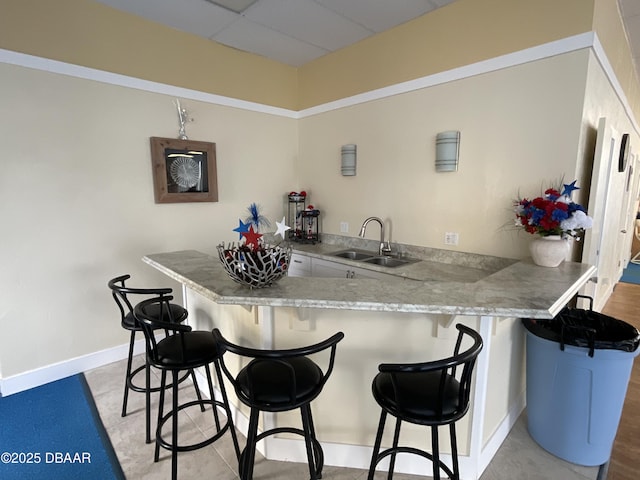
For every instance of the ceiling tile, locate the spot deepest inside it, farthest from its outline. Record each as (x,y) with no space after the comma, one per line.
(379,15)
(237,6)
(308,21)
(260,40)
(194,16)
(629,8)
(632,26)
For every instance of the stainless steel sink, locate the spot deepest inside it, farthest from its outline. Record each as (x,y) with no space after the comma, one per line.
(386,261)
(373,258)
(353,254)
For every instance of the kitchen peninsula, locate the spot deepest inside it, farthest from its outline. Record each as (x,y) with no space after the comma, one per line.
(405,316)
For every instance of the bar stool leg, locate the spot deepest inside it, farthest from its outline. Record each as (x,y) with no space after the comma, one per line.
(319,454)
(163,382)
(248,455)
(436,453)
(125,398)
(396,437)
(225,400)
(195,385)
(376,445)
(174,425)
(308,432)
(454,451)
(147,394)
(212,395)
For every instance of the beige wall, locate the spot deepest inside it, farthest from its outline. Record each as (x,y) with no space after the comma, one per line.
(77,204)
(519,128)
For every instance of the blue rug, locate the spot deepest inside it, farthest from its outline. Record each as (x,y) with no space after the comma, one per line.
(631,274)
(54,432)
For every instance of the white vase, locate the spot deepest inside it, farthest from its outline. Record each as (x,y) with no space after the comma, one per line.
(549,251)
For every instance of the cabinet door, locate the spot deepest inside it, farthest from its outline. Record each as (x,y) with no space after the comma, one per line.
(324,268)
(364,273)
(300,266)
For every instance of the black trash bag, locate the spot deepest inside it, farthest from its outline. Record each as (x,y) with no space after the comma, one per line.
(587,329)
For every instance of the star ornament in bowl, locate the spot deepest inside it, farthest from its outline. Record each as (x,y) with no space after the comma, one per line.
(252,262)
(282,228)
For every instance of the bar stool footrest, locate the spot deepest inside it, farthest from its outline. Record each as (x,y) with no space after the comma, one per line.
(414,451)
(138,389)
(195,446)
(318,453)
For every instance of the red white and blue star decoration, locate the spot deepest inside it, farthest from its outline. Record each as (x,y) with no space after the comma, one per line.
(242,228)
(282,229)
(249,229)
(252,238)
(569,188)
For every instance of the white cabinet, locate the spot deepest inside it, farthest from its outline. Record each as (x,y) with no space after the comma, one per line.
(364,273)
(326,268)
(303,266)
(300,266)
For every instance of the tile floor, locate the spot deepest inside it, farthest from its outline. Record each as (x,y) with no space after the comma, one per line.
(519,458)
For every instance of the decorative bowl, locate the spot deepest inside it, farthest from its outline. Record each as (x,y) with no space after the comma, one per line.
(296,197)
(255,268)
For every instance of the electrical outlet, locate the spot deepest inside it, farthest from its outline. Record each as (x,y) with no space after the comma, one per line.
(344,227)
(451,238)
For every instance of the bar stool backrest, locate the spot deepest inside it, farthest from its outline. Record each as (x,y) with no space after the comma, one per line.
(120,293)
(155,314)
(461,363)
(282,364)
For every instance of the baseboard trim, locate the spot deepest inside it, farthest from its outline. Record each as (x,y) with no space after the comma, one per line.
(499,436)
(56,371)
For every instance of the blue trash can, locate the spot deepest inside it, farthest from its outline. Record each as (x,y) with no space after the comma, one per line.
(578,369)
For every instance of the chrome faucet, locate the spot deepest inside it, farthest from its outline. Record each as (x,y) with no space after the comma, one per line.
(384,246)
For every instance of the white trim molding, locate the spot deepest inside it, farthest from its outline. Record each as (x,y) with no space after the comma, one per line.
(566,45)
(547,50)
(40,376)
(77,71)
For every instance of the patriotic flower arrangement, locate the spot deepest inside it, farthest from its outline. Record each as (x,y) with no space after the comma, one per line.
(554,213)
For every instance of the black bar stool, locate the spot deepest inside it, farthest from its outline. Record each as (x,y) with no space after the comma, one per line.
(429,394)
(128,321)
(278,381)
(184,349)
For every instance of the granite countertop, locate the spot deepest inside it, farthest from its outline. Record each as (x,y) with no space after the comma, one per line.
(441,283)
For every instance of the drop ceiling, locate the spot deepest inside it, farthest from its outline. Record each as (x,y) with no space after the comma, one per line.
(295,32)
(289,31)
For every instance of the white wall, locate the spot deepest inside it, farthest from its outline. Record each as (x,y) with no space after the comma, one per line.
(77,205)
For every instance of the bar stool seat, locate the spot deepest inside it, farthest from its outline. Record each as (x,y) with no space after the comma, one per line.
(429,394)
(121,293)
(278,381)
(182,349)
